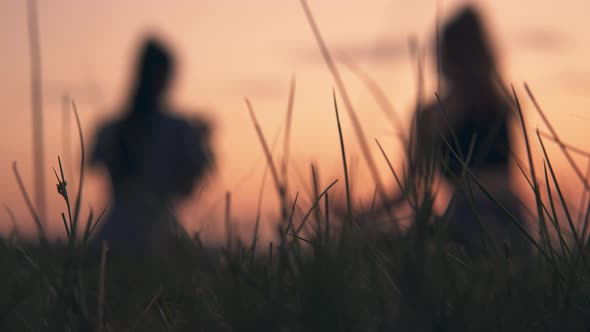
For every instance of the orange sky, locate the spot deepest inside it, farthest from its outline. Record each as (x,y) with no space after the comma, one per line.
(231,49)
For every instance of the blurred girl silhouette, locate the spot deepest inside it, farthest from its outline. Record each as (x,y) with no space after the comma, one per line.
(477,129)
(153,159)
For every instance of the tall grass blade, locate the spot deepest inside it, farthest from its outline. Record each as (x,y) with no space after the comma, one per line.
(379,95)
(405,194)
(313,206)
(536,192)
(581,222)
(268,154)
(316,189)
(37,110)
(228,223)
(562,242)
(14,233)
(290,220)
(78,201)
(557,139)
(512,218)
(573,230)
(567,146)
(40,228)
(287,138)
(458,153)
(66,143)
(346,99)
(344,163)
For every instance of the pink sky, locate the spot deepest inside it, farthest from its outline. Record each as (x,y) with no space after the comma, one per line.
(231,49)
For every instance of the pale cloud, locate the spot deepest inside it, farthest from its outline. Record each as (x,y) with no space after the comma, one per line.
(542,40)
(389,50)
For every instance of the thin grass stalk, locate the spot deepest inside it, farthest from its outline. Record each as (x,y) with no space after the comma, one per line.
(66,138)
(95,224)
(287,138)
(297,237)
(292,213)
(450,126)
(346,99)
(40,228)
(283,259)
(313,206)
(411,172)
(508,213)
(464,163)
(563,244)
(577,239)
(586,218)
(67,227)
(513,219)
(303,182)
(273,169)
(536,192)
(344,163)
(526,208)
(544,230)
(373,200)
(397,179)
(252,248)
(228,223)
(518,164)
(78,201)
(570,147)
(557,139)
(485,233)
(258,211)
(37,110)
(249,174)
(88,226)
(379,95)
(316,189)
(63,191)
(583,199)
(14,233)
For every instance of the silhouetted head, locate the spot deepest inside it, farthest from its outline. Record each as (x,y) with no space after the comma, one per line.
(466,53)
(154,72)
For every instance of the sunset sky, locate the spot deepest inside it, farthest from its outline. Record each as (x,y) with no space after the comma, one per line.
(232,49)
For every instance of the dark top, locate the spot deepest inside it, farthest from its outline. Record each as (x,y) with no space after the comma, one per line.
(485,122)
(162,153)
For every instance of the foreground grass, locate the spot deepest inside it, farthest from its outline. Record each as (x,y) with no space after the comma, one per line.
(330,268)
(356,281)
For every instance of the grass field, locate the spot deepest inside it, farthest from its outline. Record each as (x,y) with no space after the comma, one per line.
(328,270)
(332,268)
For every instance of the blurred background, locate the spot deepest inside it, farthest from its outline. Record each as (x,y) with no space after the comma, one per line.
(229,50)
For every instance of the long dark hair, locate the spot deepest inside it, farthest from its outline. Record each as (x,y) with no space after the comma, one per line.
(466,53)
(154,71)
(480,109)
